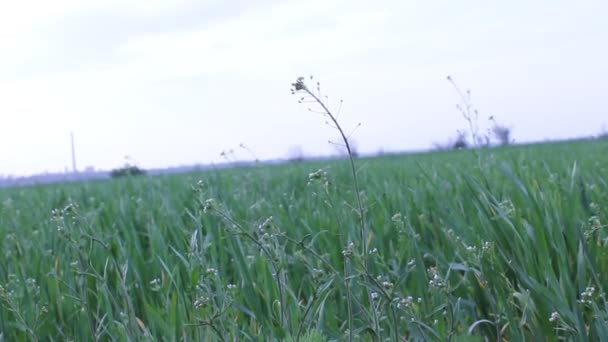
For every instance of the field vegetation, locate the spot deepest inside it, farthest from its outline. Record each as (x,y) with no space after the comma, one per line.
(506,244)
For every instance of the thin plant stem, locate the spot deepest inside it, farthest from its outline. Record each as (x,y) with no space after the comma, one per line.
(353,171)
(301,86)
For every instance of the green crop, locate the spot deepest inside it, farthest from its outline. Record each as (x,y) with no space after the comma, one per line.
(505,244)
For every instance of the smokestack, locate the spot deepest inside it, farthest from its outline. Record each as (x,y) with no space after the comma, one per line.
(73,153)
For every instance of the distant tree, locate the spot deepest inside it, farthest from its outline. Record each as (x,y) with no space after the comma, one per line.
(127,170)
(460,142)
(501,133)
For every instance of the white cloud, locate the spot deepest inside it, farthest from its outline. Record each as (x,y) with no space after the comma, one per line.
(24,24)
(273,37)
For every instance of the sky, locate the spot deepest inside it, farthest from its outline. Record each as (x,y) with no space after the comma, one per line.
(167,83)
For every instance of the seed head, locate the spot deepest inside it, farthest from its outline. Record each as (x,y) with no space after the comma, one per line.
(299,84)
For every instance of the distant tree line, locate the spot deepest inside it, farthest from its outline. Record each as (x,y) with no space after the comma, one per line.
(127,170)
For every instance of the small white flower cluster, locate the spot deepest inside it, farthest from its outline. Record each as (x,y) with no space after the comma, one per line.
(384,281)
(507,208)
(436,280)
(587,295)
(486,246)
(404,303)
(155,284)
(452,234)
(318,176)
(267,224)
(594,206)
(57,214)
(349,250)
(209,205)
(316,272)
(199,186)
(69,211)
(554,317)
(201,302)
(32,287)
(595,223)
(267,230)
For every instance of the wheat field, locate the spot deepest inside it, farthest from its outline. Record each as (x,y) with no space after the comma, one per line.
(499,244)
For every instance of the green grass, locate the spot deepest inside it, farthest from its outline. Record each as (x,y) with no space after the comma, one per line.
(509,245)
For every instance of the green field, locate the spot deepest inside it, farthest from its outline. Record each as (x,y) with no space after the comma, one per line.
(507,243)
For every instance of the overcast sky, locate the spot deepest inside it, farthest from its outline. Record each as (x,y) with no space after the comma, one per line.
(178,82)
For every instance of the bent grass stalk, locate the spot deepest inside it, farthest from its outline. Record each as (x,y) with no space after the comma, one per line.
(300,87)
